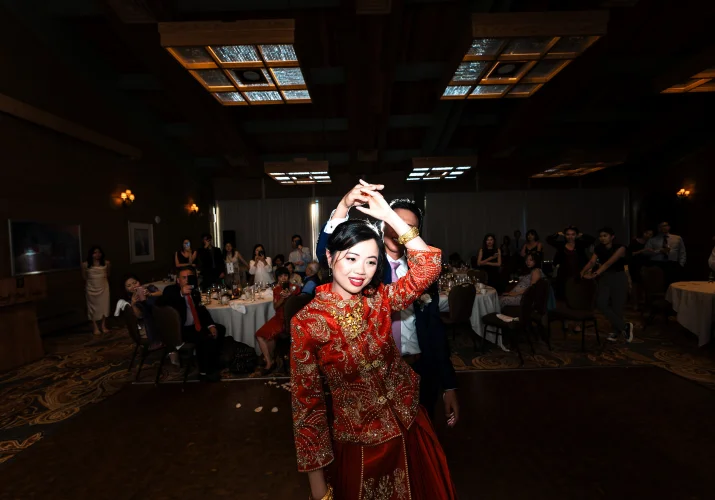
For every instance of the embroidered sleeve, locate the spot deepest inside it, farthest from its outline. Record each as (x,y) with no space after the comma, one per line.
(424,269)
(310,423)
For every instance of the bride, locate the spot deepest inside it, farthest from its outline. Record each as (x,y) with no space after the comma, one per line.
(379,443)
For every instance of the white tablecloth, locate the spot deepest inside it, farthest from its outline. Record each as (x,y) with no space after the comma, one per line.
(483,304)
(243,326)
(694,301)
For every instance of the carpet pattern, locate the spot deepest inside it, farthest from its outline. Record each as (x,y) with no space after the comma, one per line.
(81,370)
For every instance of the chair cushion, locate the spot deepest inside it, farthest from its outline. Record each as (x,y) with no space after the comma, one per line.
(491,319)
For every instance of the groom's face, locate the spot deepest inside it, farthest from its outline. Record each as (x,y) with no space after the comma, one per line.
(390,236)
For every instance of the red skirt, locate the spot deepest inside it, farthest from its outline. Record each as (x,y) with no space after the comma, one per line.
(409,467)
(273,327)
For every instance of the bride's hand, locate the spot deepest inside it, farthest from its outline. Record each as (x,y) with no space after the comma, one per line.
(358,195)
(377,206)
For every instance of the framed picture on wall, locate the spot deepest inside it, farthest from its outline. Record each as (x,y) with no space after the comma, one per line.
(44,247)
(141,242)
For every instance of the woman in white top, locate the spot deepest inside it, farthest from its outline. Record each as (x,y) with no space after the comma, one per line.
(233,259)
(260,266)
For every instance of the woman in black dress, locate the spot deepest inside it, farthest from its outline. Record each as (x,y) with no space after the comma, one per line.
(489,260)
(571,256)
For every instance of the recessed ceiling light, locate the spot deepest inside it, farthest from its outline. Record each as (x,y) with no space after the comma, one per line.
(456,172)
(276,173)
(441,168)
(463,168)
(416,174)
(421,169)
(282,178)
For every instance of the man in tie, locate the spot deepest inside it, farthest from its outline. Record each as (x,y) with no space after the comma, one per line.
(197,325)
(418,330)
(667,251)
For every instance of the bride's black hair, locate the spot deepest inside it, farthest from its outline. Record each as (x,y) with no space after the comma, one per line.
(354,231)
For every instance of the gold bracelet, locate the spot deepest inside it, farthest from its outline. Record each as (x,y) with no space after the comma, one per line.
(328,495)
(408,236)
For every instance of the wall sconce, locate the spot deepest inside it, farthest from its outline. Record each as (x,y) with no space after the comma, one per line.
(683,193)
(193,209)
(127,197)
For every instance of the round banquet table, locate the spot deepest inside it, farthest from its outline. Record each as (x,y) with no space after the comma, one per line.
(694,301)
(243,318)
(484,304)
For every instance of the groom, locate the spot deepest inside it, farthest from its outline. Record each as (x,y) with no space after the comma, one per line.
(419,332)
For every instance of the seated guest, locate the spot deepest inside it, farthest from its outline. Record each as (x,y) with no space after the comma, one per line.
(267,334)
(532,244)
(533,274)
(455,262)
(278,261)
(489,261)
(142,298)
(198,326)
(260,266)
(294,276)
(312,280)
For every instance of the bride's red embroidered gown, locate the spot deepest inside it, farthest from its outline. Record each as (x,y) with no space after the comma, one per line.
(381,445)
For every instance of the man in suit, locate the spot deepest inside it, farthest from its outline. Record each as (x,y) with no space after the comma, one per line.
(197,325)
(212,262)
(423,341)
(667,251)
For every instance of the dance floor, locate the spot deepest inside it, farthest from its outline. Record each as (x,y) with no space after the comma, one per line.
(637,432)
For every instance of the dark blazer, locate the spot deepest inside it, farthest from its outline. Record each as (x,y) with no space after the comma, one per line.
(172,297)
(431,337)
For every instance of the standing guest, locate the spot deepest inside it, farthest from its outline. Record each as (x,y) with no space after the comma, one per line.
(489,260)
(532,244)
(418,329)
(312,280)
(233,260)
(505,247)
(667,251)
(185,256)
(95,271)
(294,276)
(613,283)
(267,334)
(212,264)
(260,266)
(533,273)
(711,261)
(197,325)
(571,247)
(380,442)
(278,261)
(141,299)
(637,258)
(300,256)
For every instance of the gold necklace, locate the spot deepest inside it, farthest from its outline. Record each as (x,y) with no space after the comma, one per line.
(352,323)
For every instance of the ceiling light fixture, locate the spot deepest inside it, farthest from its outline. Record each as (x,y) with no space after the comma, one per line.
(575,169)
(515,54)
(436,168)
(240,63)
(299,171)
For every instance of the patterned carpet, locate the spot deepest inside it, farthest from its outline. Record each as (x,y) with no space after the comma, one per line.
(80,370)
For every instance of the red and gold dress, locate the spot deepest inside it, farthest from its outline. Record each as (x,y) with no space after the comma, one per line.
(275,325)
(381,444)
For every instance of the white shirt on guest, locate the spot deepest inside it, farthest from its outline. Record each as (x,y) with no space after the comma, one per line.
(408,322)
(262,272)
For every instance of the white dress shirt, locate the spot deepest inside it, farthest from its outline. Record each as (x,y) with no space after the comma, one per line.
(305,256)
(676,245)
(408,323)
(262,272)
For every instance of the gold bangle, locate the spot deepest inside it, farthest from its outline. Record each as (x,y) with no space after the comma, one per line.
(328,495)
(408,236)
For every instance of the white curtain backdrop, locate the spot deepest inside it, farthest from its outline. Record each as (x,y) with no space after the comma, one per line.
(457,222)
(454,222)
